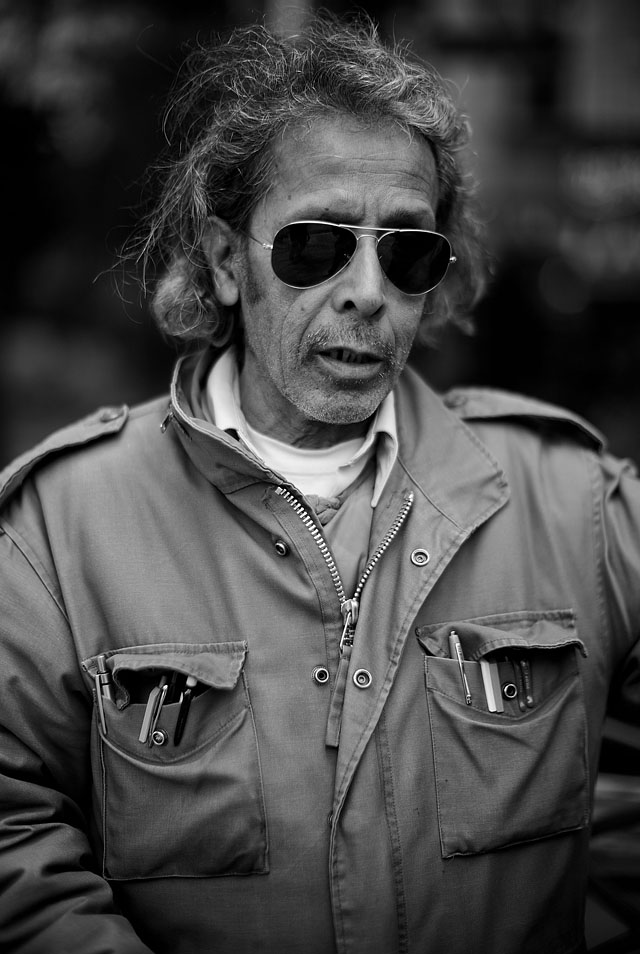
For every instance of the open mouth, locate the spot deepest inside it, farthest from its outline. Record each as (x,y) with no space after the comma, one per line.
(350,357)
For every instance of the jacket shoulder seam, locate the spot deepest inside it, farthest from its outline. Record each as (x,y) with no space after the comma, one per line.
(33,562)
(486,404)
(104,422)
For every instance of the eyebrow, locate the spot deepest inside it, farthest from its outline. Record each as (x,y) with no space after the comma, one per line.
(399,219)
(408,219)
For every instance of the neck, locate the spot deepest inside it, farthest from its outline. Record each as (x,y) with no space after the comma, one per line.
(301,432)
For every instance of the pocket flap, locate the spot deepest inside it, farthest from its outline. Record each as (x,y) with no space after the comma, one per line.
(214,664)
(552,629)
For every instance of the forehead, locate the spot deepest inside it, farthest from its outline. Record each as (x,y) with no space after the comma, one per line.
(343,170)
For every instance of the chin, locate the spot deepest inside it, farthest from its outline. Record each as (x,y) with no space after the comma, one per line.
(339,405)
(333,411)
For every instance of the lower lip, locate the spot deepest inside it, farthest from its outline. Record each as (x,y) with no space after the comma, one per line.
(350,370)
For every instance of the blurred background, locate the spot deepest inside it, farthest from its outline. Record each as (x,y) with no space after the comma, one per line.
(552,89)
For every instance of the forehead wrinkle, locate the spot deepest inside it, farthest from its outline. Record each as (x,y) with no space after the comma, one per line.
(324,172)
(374,178)
(348,183)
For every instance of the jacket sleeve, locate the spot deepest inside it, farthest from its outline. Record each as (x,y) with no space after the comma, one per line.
(619,519)
(52,898)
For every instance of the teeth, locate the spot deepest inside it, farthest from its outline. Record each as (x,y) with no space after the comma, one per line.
(349,357)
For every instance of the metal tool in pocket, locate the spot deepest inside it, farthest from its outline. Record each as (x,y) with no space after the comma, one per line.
(492,687)
(152,710)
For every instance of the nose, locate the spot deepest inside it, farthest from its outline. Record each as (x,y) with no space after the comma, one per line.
(360,288)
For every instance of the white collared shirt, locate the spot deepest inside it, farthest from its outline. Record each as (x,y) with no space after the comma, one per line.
(325,471)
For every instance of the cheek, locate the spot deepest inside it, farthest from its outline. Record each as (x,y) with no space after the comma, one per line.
(285,334)
(407,328)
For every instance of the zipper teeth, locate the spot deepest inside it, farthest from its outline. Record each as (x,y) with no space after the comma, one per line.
(384,544)
(326,552)
(317,536)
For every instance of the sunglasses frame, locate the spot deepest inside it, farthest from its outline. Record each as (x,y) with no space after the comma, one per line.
(367,231)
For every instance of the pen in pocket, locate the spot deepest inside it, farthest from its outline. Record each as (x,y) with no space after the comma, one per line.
(519,680)
(104,678)
(455,649)
(527,682)
(183,712)
(104,689)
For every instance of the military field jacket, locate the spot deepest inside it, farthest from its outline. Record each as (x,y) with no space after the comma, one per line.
(341,785)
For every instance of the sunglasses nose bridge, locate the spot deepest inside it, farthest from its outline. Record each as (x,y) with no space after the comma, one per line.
(365,235)
(369,273)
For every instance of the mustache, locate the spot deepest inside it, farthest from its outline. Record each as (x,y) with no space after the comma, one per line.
(355,337)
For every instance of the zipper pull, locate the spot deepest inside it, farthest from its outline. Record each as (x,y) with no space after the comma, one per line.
(349,610)
(166,420)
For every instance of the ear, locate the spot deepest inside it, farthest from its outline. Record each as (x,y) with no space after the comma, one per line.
(218,247)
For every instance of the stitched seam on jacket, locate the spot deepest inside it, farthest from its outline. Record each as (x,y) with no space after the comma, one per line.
(386,768)
(434,503)
(23,547)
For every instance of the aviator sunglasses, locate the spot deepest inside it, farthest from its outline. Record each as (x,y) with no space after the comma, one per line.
(305,254)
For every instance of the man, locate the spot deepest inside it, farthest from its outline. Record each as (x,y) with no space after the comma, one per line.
(310,660)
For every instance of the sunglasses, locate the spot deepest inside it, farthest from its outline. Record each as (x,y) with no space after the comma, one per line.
(305,254)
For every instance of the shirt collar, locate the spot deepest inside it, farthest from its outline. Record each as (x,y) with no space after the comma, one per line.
(221,403)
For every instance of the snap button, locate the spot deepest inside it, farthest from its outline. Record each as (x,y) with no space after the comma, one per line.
(362,678)
(282,549)
(159,737)
(509,690)
(321,675)
(420,556)
(110,414)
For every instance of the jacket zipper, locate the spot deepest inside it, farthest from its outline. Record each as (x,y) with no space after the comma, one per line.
(349,608)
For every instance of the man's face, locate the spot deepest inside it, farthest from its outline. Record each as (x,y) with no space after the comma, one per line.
(319,361)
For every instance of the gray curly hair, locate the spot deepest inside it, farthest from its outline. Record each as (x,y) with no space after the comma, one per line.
(232,100)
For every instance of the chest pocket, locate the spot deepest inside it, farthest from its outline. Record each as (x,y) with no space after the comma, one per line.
(195,808)
(517,775)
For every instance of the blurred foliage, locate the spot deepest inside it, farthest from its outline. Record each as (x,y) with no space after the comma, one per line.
(551,91)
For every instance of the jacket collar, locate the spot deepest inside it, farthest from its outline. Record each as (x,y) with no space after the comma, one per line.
(219,457)
(438,453)
(221,404)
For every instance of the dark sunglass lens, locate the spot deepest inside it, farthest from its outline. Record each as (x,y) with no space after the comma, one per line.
(414,261)
(308,253)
